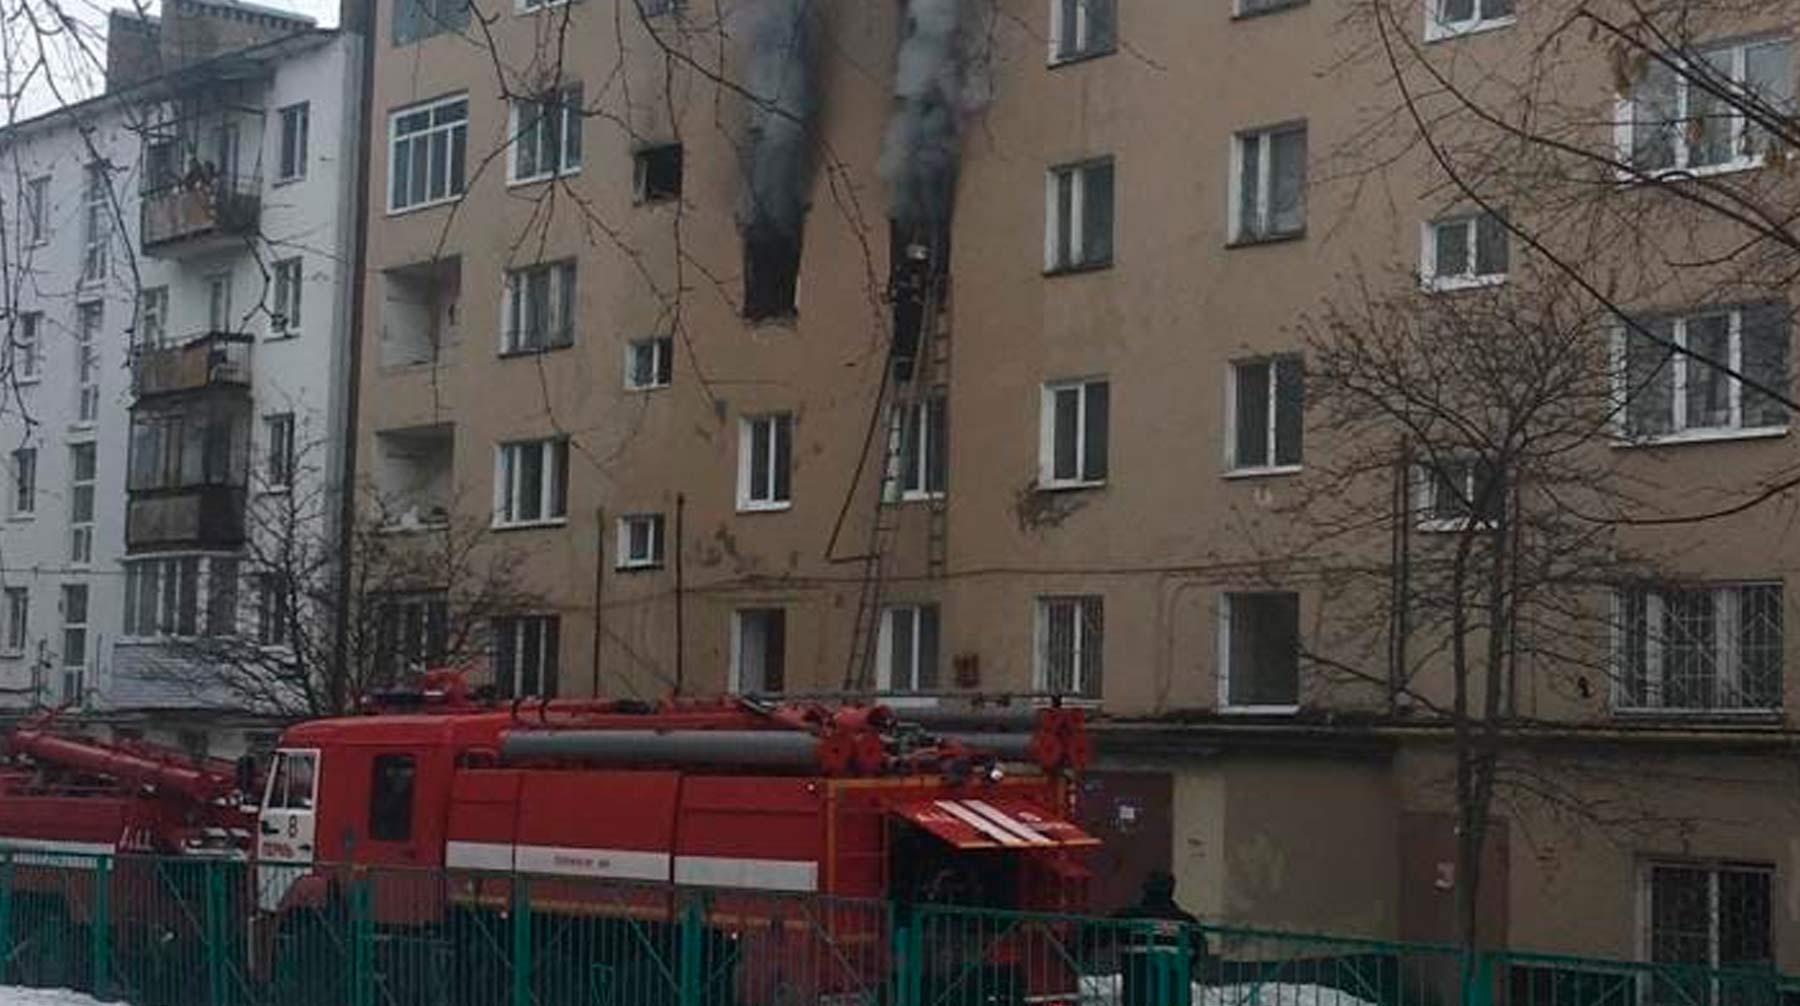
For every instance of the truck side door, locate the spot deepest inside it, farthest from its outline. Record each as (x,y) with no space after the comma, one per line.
(285,839)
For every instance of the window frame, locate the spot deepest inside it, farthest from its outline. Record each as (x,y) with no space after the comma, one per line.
(552,490)
(1715,870)
(1084,48)
(1425,487)
(23,498)
(567,101)
(921,475)
(1626,122)
(37,201)
(18,621)
(1235,467)
(74,672)
(274,610)
(90,318)
(81,528)
(96,229)
(739,618)
(919,612)
(781,426)
(641,193)
(662,362)
(187,589)
(1264,137)
(511,652)
(388,806)
(1087,618)
(289,280)
(450,129)
(153,317)
(278,457)
(561,291)
(1725,656)
(28,348)
(1437,27)
(1047,479)
(1679,365)
(1081,258)
(1228,600)
(292,124)
(1474,278)
(623,547)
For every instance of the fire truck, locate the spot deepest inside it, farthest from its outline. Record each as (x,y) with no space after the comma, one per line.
(798,829)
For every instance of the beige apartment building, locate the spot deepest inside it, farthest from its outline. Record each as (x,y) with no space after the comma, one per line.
(670,349)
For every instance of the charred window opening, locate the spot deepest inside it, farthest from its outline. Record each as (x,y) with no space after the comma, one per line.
(918,271)
(771,274)
(658,173)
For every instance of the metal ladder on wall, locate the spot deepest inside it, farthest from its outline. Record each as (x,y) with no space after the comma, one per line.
(931,359)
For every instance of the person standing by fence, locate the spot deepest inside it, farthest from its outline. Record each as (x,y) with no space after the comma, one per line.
(1153,971)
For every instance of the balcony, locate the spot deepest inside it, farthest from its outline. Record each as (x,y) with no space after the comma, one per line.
(208,516)
(214,360)
(199,214)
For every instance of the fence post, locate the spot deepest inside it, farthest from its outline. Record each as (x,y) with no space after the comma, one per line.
(215,932)
(521,942)
(6,915)
(690,949)
(362,942)
(906,956)
(1181,968)
(1478,978)
(100,925)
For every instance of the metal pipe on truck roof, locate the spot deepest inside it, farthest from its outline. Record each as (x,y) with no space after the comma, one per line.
(1011,719)
(748,748)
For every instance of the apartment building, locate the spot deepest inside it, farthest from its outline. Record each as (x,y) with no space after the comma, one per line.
(773,384)
(177,274)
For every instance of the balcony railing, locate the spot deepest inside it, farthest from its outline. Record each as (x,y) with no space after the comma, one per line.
(206,516)
(195,214)
(216,359)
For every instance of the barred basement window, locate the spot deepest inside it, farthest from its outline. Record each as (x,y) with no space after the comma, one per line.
(1698,649)
(1706,915)
(1070,649)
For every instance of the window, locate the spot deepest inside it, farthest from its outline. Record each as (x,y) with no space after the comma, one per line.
(771,272)
(96,228)
(274,609)
(419,19)
(87,362)
(1678,116)
(284,314)
(1464,251)
(37,210)
(153,317)
(218,302)
(1668,394)
(917,445)
(1072,441)
(18,619)
(525,652)
(81,503)
(28,347)
(391,797)
(1713,648)
(1259,651)
(1267,399)
(414,634)
(1451,490)
(1704,916)
(640,541)
(278,436)
(291,781)
(1248,8)
(1459,17)
(656,173)
(1080,28)
(649,363)
(190,448)
(907,653)
(759,650)
(547,135)
(24,478)
(163,596)
(429,145)
(657,8)
(1269,184)
(1070,645)
(74,640)
(540,308)
(222,596)
(532,483)
(1078,216)
(765,453)
(290,161)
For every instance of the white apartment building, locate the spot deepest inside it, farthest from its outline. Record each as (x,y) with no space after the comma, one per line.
(176,268)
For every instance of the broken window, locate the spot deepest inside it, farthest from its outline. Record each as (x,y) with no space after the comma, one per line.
(759,659)
(656,173)
(1262,650)
(771,273)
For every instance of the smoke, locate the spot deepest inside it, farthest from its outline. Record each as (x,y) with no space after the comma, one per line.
(934,92)
(780,81)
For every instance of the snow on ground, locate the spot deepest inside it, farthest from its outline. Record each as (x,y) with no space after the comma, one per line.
(1103,990)
(11,996)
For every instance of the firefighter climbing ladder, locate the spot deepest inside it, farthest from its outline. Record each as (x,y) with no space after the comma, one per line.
(929,369)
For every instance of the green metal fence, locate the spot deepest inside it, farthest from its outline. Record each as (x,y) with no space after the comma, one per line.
(190,932)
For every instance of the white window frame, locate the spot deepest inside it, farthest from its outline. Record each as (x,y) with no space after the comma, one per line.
(1727,604)
(278,457)
(562,285)
(908,691)
(450,130)
(1047,434)
(738,616)
(1080,644)
(509,485)
(74,672)
(37,207)
(292,123)
(1425,489)
(779,423)
(1226,705)
(1264,138)
(568,100)
(1238,467)
(1084,46)
(1679,365)
(274,610)
(1437,27)
(153,317)
(82,498)
(218,301)
(96,228)
(910,483)
(1626,114)
(625,555)
(284,315)
(18,622)
(548,630)
(661,349)
(1474,278)
(22,501)
(28,348)
(1079,259)
(89,319)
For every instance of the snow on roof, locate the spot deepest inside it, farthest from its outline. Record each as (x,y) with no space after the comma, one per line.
(11,995)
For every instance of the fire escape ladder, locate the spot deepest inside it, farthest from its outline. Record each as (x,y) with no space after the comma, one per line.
(936,353)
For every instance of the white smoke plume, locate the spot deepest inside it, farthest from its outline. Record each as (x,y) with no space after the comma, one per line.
(780,81)
(936,88)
